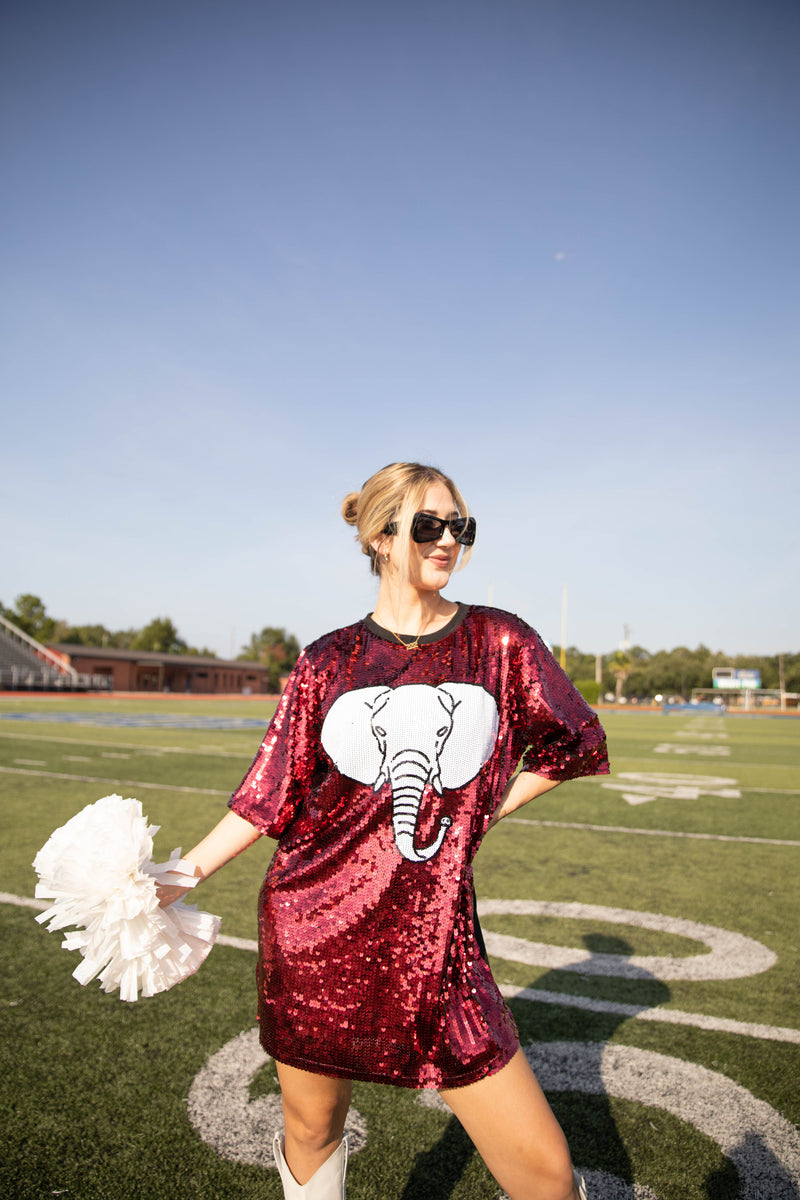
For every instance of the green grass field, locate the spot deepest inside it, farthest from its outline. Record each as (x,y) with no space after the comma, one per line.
(650,959)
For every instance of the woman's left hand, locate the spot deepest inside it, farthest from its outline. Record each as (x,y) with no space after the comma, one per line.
(521,789)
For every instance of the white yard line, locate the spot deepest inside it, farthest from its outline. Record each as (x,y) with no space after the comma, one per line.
(174,787)
(777,791)
(728,766)
(676,833)
(131,783)
(19,735)
(669,1016)
(672,1016)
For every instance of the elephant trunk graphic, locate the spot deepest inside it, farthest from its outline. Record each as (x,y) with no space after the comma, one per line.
(408,773)
(408,768)
(409,737)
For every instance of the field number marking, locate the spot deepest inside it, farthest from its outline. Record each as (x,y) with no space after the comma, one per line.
(762,1145)
(639,787)
(672,1016)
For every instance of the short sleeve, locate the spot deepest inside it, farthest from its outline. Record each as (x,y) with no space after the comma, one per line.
(280,776)
(564,736)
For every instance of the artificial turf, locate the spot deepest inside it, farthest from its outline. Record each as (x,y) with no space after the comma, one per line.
(95,1091)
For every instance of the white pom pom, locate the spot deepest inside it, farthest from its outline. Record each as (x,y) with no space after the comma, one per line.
(98,871)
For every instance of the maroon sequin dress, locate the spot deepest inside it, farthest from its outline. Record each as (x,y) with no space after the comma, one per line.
(378,777)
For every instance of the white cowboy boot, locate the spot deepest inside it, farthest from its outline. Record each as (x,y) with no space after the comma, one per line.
(327,1183)
(581,1186)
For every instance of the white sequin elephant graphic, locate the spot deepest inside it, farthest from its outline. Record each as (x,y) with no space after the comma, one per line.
(411,736)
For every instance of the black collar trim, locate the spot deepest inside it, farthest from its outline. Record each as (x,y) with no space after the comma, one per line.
(426,639)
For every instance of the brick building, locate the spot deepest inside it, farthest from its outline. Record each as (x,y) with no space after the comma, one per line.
(148,671)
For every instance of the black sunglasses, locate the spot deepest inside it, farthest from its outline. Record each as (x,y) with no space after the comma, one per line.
(427,528)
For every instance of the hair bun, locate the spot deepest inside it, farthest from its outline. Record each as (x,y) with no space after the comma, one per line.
(350,508)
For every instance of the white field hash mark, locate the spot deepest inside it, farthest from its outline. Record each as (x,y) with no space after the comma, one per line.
(700,737)
(701,751)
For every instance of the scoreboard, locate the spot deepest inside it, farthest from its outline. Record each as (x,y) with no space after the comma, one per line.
(734,677)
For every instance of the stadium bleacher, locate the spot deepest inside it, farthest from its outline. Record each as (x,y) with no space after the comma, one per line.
(25,665)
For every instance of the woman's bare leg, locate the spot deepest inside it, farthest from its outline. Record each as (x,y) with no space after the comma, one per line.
(314,1112)
(513,1128)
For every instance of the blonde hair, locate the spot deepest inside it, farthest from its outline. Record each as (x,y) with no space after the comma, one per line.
(395,494)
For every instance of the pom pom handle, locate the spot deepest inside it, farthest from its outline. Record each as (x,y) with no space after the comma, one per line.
(176,872)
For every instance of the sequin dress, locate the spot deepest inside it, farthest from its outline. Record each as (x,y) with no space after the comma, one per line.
(378,777)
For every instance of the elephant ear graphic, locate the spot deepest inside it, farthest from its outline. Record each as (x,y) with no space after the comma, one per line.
(347,737)
(475,725)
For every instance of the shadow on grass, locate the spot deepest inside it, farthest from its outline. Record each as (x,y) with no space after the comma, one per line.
(586,1117)
(585,1111)
(758,1162)
(437,1171)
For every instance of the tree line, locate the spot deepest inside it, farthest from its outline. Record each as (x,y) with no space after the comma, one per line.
(634,672)
(273,648)
(639,673)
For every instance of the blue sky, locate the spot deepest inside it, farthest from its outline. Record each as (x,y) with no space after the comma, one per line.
(252,252)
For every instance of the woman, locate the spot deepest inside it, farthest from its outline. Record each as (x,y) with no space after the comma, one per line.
(392,751)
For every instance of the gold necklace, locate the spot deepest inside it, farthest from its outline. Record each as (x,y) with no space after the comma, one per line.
(412,645)
(407,645)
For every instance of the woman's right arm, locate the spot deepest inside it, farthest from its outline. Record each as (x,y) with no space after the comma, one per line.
(227,839)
